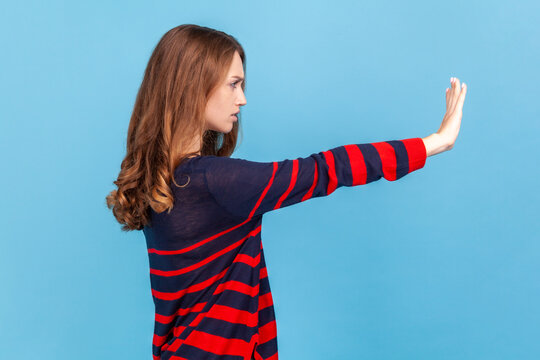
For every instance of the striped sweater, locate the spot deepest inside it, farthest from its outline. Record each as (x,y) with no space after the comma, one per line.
(207,268)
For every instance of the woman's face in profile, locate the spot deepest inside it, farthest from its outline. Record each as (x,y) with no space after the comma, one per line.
(227,99)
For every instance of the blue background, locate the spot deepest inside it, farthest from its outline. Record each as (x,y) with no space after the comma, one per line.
(442,264)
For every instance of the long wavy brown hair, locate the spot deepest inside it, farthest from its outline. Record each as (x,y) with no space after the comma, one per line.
(185,67)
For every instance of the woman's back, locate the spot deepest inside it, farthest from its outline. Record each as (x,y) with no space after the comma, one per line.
(207,268)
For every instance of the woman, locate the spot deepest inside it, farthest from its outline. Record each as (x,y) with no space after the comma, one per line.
(201,210)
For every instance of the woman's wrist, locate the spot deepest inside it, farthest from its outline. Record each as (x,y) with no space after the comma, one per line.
(435,144)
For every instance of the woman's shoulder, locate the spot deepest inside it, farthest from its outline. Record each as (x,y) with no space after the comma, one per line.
(206,161)
(201,164)
(224,169)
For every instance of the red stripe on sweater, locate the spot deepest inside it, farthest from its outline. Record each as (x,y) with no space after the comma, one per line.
(309,194)
(291,184)
(237,286)
(358,164)
(232,315)
(332,181)
(196,245)
(267,332)
(416,150)
(206,260)
(388,159)
(217,344)
(265,190)
(265,300)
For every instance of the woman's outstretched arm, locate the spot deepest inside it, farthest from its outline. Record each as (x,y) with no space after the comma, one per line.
(248,188)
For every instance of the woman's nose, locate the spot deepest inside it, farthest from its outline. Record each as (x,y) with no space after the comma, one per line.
(241,100)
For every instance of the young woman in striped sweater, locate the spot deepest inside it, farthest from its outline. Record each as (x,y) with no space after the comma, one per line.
(201,210)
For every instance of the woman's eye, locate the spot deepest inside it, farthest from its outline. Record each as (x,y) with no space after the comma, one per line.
(234,83)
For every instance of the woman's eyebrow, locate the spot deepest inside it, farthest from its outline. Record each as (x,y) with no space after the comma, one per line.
(238,77)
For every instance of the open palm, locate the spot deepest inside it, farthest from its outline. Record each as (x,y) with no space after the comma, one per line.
(455,96)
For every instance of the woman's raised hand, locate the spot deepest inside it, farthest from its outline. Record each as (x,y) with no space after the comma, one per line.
(445,137)
(455,96)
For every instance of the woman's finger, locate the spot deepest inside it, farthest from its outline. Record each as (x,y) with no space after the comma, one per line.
(447,97)
(458,85)
(450,94)
(461,98)
(455,93)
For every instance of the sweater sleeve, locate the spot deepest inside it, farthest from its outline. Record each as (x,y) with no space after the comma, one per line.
(249,188)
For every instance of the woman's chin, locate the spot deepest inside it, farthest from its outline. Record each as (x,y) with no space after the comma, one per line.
(227,129)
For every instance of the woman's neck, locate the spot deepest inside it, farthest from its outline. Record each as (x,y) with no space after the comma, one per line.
(194,147)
